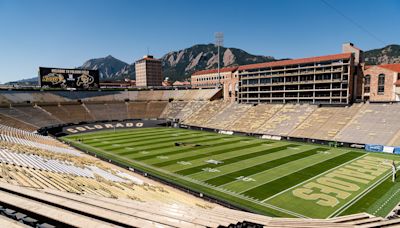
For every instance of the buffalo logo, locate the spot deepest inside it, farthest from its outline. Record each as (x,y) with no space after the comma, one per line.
(84,80)
(54,78)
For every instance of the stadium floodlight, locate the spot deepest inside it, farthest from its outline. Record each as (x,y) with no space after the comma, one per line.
(219,41)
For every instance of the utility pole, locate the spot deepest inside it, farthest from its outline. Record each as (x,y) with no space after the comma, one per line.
(219,41)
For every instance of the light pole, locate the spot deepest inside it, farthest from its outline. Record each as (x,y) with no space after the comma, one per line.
(219,41)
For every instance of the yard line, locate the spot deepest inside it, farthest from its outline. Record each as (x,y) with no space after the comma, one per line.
(124,133)
(300,168)
(313,178)
(173,150)
(207,154)
(130,139)
(268,154)
(228,178)
(233,160)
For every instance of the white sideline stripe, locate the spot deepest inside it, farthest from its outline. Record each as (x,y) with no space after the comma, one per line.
(398,190)
(319,161)
(313,177)
(244,153)
(205,185)
(222,174)
(360,195)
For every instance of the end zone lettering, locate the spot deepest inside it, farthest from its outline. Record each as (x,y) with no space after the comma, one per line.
(341,183)
(99,126)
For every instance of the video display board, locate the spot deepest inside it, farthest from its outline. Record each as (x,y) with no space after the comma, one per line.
(68,78)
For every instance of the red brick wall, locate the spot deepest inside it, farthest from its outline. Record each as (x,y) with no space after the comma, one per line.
(390,78)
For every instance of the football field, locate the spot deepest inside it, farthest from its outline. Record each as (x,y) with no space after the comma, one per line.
(276,178)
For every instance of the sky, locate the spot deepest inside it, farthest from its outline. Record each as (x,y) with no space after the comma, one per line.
(66,33)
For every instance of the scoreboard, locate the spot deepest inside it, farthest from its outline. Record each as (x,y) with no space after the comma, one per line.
(68,78)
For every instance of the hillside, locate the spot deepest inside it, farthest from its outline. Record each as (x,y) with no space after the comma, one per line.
(388,54)
(181,64)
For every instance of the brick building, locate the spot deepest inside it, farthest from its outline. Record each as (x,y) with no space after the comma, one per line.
(319,80)
(329,79)
(382,83)
(148,72)
(209,79)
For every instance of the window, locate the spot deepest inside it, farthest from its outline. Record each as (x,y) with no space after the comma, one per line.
(381,84)
(367,83)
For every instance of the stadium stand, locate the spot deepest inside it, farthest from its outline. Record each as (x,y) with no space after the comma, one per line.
(24,97)
(228,115)
(137,110)
(172,109)
(210,109)
(154,109)
(30,114)
(117,110)
(374,124)
(325,122)
(99,111)
(68,113)
(255,117)
(286,119)
(189,109)
(6,130)
(12,122)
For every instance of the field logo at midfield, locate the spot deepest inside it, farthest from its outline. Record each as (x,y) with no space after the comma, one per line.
(339,184)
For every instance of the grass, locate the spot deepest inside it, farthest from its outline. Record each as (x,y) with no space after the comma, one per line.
(247,172)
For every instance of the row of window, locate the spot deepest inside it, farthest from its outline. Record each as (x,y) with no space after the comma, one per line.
(381,84)
(209,78)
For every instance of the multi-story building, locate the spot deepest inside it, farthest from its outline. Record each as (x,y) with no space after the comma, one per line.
(319,80)
(382,83)
(209,79)
(148,72)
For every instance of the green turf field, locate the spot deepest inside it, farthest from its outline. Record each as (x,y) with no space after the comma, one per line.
(276,178)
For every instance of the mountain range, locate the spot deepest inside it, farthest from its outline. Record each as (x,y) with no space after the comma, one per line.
(179,65)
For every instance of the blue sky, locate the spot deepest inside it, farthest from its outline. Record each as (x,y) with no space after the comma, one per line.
(67,33)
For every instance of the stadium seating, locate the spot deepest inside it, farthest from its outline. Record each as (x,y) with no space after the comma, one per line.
(117,110)
(374,124)
(12,122)
(228,115)
(137,110)
(23,134)
(189,109)
(326,122)
(172,109)
(203,115)
(154,109)
(255,117)
(33,97)
(286,119)
(99,111)
(32,115)
(68,113)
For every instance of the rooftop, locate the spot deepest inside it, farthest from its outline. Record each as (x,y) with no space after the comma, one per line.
(297,61)
(392,67)
(211,71)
